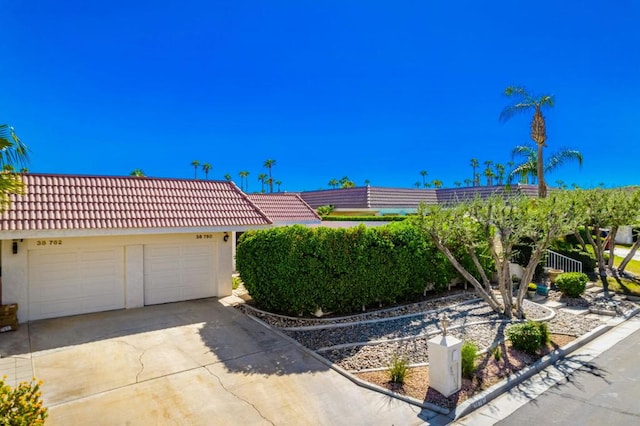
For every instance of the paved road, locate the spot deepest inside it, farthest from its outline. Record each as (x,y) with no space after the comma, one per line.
(605,391)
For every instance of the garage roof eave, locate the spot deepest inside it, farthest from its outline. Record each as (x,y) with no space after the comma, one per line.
(59,233)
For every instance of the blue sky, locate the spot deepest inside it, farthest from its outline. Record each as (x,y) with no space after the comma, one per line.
(373,90)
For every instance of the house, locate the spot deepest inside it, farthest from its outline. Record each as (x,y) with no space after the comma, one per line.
(379,201)
(286,209)
(79,244)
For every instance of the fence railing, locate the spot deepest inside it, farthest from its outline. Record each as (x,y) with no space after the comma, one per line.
(559,261)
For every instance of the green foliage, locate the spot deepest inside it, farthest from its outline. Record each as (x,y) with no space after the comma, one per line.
(324,210)
(398,369)
(22,405)
(235,282)
(526,337)
(468,361)
(532,287)
(572,284)
(497,353)
(361,218)
(296,269)
(545,336)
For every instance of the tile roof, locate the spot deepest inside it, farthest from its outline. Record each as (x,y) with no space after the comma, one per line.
(389,198)
(64,202)
(285,208)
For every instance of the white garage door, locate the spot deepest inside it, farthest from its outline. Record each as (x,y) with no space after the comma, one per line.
(176,272)
(75,281)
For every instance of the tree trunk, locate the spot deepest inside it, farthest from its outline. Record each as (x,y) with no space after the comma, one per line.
(612,245)
(542,186)
(598,249)
(581,240)
(629,256)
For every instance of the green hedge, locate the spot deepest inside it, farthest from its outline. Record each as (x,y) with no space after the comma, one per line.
(364,218)
(296,270)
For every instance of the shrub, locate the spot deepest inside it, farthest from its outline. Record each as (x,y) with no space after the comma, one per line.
(235,282)
(468,361)
(398,369)
(545,336)
(572,284)
(296,269)
(21,405)
(497,353)
(526,337)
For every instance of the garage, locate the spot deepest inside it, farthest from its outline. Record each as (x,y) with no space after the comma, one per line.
(179,272)
(75,281)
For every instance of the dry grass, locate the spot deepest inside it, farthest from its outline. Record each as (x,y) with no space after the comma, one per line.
(489,371)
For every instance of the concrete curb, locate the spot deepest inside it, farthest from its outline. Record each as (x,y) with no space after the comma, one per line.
(515,379)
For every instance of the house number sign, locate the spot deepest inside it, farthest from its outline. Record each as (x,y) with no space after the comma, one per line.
(48,242)
(203,236)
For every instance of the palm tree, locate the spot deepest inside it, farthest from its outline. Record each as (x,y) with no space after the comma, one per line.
(467,182)
(262,178)
(523,101)
(227,177)
(500,170)
(488,172)
(457,183)
(437,183)
(474,163)
(417,184)
(243,179)
(345,182)
(333,183)
(367,182)
(279,183)
(137,173)
(529,167)
(424,174)
(195,164)
(12,153)
(511,164)
(206,167)
(269,165)
(476,179)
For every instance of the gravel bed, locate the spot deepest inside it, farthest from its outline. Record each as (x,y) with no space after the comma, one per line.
(281,321)
(596,301)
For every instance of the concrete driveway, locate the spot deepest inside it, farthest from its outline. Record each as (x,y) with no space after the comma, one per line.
(195,363)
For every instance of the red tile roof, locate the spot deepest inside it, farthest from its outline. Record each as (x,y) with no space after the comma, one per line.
(285,208)
(371,197)
(64,202)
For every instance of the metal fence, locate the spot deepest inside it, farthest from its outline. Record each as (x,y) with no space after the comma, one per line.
(564,263)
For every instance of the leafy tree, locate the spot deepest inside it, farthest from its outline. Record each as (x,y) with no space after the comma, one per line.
(528,169)
(12,153)
(195,164)
(523,101)
(345,182)
(606,209)
(501,224)
(262,178)
(206,167)
(268,164)
(474,165)
(137,172)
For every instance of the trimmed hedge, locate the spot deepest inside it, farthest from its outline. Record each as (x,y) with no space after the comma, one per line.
(296,270)
(364,218)
(527,336)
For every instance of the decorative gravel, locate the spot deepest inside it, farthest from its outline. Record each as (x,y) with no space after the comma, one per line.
(372,339)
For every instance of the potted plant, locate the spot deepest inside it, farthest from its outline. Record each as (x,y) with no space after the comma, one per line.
(531,290)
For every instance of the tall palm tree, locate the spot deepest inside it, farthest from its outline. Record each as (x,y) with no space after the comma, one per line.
(523,101)
(195,164)
(474,164)
(227,177)
(243,180)
(13,153)
(269,165)
(278,183)
(333,183)
(206,167)
(424,174)
(511,164)
(500,171)
(467,182)
(262,178)
(530,166)
(437,183)
(367,182)
(457,184)
(137,173)
(417,184)
(488,172)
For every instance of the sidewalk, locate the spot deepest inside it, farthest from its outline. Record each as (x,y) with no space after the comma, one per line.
(528,390)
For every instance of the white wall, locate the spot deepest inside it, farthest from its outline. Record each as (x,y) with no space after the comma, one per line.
(15,267)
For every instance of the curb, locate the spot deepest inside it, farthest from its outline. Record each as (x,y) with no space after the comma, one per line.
(515,379)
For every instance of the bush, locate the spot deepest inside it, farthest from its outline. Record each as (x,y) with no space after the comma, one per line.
(545,336)
(468,362)
(21,405)
(296,270)
(398,369)
(572,284)
(526,337)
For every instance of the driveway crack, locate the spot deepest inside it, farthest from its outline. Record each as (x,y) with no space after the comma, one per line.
(239,398)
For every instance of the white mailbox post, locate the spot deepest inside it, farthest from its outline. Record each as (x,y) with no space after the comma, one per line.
(445,370)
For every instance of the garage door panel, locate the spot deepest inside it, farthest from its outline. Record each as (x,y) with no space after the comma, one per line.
(75,281)
(178,272)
